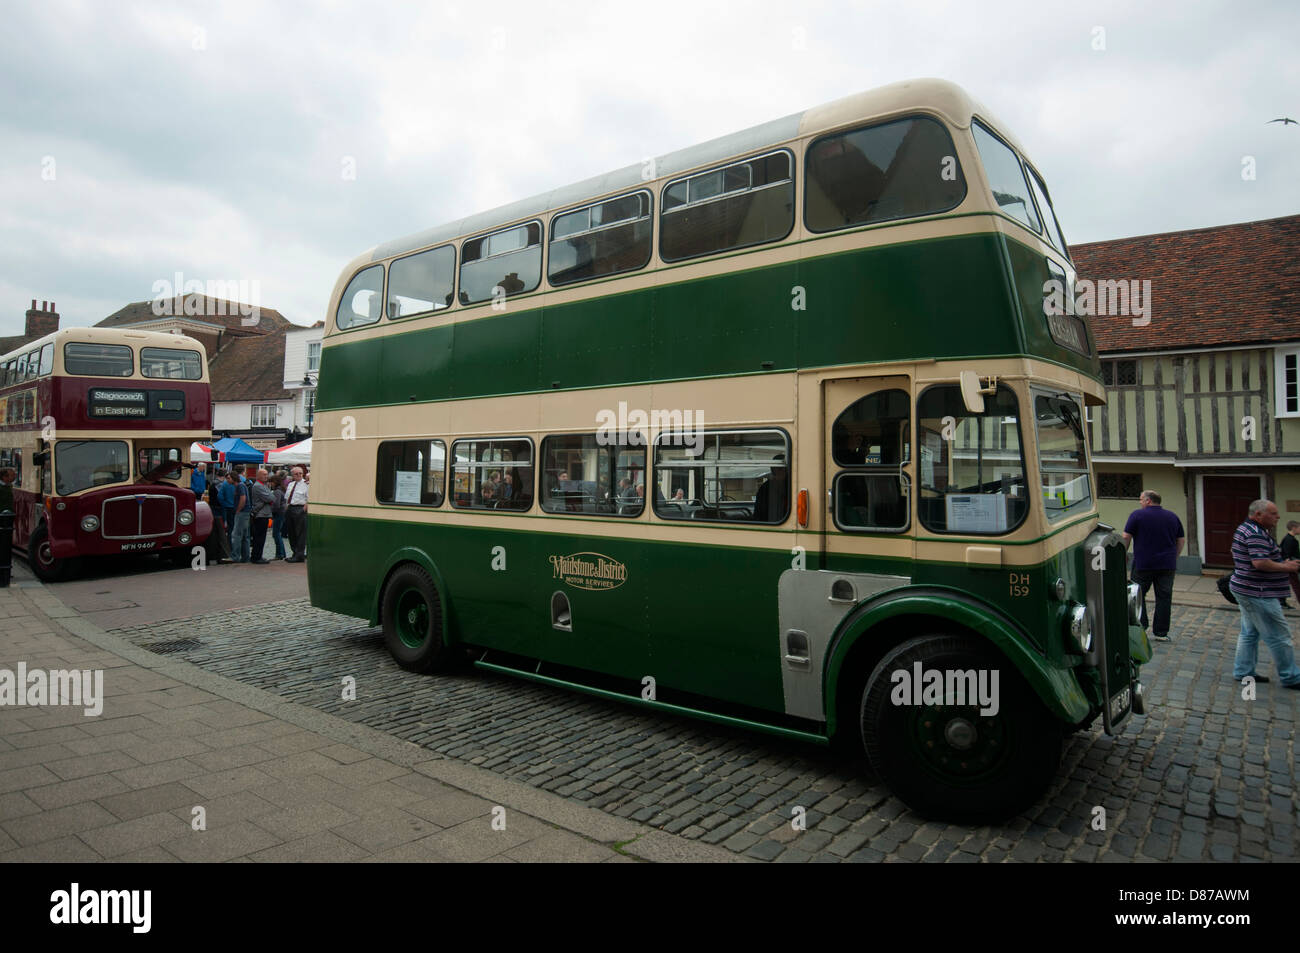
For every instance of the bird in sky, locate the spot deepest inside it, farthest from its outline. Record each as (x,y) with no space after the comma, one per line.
(1284,120)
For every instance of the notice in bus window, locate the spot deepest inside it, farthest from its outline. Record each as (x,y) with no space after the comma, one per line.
(977,513)
(406,487)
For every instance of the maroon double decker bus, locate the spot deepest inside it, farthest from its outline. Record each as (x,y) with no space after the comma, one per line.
(97,424)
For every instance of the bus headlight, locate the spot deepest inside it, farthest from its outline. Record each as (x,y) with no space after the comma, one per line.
(90,523)
(1080,631)
(1134,603)
(184,538)
(186,517)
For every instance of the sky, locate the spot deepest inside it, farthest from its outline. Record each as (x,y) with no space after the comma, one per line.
(270,143)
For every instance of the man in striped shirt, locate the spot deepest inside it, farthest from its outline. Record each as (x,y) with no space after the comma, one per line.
(1259,581)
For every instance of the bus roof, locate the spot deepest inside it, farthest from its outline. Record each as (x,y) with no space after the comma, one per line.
(935,95)
(106,336)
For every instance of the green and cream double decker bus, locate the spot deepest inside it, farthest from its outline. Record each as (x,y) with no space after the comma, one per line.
(775,431)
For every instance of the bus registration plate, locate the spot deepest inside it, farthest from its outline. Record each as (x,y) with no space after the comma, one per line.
(1120,703)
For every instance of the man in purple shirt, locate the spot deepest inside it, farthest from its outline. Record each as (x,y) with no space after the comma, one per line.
(1260,579)
(1157,537)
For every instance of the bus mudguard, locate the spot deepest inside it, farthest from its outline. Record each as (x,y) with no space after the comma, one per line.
(1057,688)
(411,554)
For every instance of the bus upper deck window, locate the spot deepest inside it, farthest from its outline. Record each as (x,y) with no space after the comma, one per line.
(741,204)
(170,363)
(603,239)
(361,301)
(1006,177)
(508,262)
(98,360)
(892,170)
(418,284)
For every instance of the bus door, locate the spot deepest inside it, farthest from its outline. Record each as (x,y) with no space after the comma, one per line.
(869,463)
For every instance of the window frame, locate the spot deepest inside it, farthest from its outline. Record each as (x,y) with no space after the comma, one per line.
(318,346)
(617,447)
(383,296)
(253,409)
(649,216)
(872,469)
(458,290)
(140,471)
(455,283)
(451,473)
(126,347)
(793,181)
(446,466)
(1020,448)
(1280,354)
(1120,477)
(653,466)
(1020,164)
(178,350)
(847,130)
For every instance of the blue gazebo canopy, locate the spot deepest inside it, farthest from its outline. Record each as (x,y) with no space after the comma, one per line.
(237,451)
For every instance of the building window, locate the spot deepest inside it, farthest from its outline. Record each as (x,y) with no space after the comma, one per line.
(1286,373)
(309,405)
(313,356)
(264,415)
(1119,486)
(1119,373)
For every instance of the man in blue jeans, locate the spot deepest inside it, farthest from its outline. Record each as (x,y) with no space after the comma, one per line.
(1259,580)
(1157,536)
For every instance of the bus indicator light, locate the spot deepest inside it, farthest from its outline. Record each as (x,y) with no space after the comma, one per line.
(802,508)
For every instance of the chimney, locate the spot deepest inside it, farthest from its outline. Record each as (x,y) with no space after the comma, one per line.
(42,322)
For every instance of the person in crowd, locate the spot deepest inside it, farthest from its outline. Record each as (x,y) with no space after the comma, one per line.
(1290,547)
(226,502)
(199,481)
(680,494)
(489,495)
(1157,537)
(507,486)
(1259,579)
(295,517)
(240,542)
(218,542)
(262,503)
(277,514)
(8,477)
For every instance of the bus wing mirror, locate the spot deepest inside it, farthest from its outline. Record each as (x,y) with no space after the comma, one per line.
(970,392)
(40,458)
(216,456)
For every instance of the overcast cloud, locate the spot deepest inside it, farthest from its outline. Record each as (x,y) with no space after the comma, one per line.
(212,139)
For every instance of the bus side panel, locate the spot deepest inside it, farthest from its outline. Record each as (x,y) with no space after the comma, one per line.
(879,304)
(713,622)
(508,609)
(597,342)
(727,324)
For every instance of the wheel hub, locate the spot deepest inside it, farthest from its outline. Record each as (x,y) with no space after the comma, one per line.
(960,734)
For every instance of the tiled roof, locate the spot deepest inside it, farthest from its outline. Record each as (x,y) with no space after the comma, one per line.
(1210,287)
(269,320)
(250,368)
(14,342)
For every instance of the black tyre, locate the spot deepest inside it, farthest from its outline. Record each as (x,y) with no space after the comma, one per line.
(412,619)
(40,556)
(949,761)
(177,557)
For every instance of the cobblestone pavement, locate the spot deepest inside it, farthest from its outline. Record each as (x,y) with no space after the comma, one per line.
(1206,775)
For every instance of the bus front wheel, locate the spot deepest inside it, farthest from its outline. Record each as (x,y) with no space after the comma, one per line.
(956,732)
(412,620)
(40,556)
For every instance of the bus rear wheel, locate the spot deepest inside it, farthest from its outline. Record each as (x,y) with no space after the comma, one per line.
(40,556)
(974,763)
(412,618)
